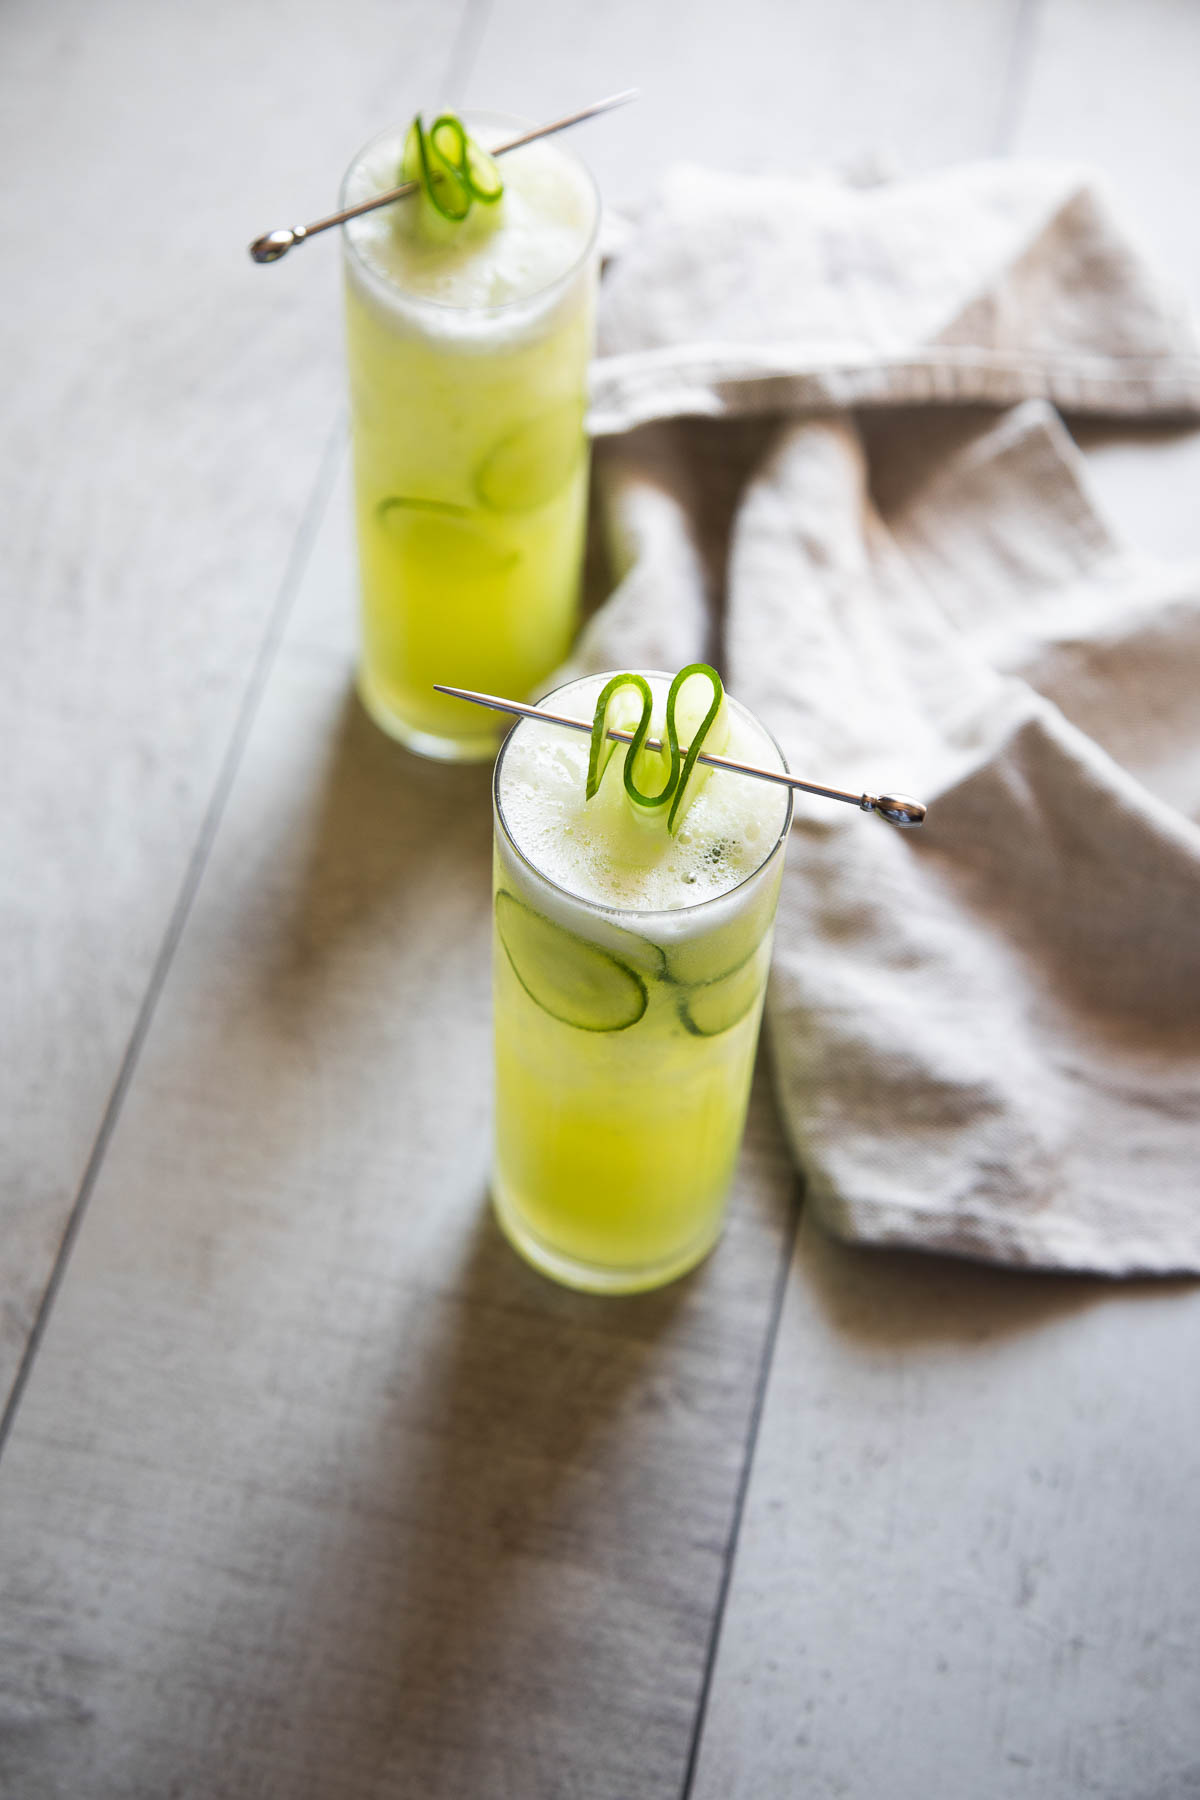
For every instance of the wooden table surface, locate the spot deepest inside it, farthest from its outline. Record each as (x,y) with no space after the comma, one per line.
(308,1488)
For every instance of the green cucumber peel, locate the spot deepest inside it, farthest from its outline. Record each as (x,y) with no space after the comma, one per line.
(601,748)
(452,169)
(573,980)
(712,1007)
(460,540)
(482,172)
(673,791)
(649,802)
(401,503)
(697,743)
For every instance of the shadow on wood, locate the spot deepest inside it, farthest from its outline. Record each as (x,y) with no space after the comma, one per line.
(391,842)
(907,1298)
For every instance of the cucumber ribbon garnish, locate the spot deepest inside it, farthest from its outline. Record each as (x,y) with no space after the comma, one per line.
(451,167)
(680,762)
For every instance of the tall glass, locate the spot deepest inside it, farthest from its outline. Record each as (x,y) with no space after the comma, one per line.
(624,1040)
(468,352)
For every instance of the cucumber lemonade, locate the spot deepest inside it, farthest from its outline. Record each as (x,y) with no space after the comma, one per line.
(468,342)
(630,963)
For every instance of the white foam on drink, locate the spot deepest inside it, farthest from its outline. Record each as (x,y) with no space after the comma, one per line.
(506,252)
(600,850)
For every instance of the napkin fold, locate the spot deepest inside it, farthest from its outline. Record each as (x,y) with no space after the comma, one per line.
(985,1034)
(991,283)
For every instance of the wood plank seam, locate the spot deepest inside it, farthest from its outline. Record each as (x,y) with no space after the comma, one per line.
(1014,91)
(1017,76)
(787,1250)
(465,48)
(310,520)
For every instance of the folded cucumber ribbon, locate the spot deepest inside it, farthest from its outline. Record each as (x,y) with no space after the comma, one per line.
(680,762)
(451,167)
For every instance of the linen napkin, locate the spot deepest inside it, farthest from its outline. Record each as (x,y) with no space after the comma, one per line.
(986,1033)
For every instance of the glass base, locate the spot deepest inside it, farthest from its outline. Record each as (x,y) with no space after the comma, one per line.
(597,1278)
(480,747)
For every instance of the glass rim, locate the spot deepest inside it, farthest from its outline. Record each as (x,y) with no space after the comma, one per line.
(632,912)
(451,308)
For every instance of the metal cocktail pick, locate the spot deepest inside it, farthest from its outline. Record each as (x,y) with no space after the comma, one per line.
(896,808)
(277,243)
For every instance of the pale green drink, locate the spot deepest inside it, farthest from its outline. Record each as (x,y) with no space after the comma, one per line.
(629,970)
(468,349)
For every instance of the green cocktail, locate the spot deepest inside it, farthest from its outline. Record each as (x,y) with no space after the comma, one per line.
(468,346)
(630,965)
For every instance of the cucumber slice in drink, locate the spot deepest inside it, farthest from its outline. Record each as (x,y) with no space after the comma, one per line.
(717,1006)
(567,977)
(722,949)
(705,961)
(451,538)
(639,953)
(533,463)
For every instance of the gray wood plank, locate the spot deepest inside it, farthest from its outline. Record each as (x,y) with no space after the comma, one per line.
(778,83)
(315,1489)
(1115,86)
(970,1558)
(168,406)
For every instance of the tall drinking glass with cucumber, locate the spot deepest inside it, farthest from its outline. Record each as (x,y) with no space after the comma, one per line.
(469,312)
(635,895)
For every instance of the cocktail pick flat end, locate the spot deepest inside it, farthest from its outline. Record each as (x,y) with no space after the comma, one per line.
(276,244)
(897,809)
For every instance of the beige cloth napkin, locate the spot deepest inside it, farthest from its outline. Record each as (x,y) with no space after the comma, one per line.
(986,1034)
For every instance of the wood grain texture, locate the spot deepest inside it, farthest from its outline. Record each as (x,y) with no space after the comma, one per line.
(970,1558)
(1114,86)
(167,407)
(316,1490)
(771,83)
